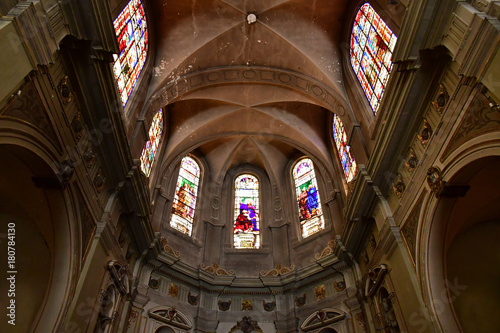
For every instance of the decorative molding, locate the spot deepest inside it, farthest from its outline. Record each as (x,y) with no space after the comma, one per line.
(409,228)
(339,285)
(320,318)
(246,325)
(441,100)
(479,119)
(216,270)
(412,161)
(425,134)
(277,271)
(399,187)
(172,317)
(167,248)
(327,250)
(249,74)
(192,299)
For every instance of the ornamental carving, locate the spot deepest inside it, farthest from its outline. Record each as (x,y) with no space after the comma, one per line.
(441,100)
(246,325)
(269,306)
(154,283)
(479,119)
(88,157)
(374,279)
(327,250)
(399,186)
(224,305)
(435,179)
(412,161)
(99,181)
(77,126)
(300,300)
(246,305)
(308,86)
(192,299)
(410,227)
(320,292)
(216,270)
(278,270)
(167,248)
(64,90)
(339,284)
(425,134)
(173,290)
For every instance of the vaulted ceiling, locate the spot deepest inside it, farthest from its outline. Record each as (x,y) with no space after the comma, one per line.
(256,122)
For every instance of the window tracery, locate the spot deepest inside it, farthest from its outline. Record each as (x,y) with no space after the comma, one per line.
(186,193)
(308,200)
(246,212)
(151,147)
(131,31)
(343,150)
(372,45)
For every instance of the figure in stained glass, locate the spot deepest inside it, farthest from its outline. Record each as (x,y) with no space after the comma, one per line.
(308,200)
(183,207)
(246,212)
(343,150)
(372,44)
(131,32)
(151,146)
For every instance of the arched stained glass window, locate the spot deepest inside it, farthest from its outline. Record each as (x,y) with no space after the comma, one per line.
(132,34)
(372,44)
(246,212)
(308,201)
(344,151)
(185,197)
(151,147)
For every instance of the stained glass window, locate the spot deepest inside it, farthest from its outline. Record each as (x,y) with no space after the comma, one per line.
(344,151)
(186,193)
(308,201)
(151,146)
(132,34)
(246,212)
(372,44)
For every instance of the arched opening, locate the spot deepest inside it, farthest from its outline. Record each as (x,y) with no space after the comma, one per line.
(37,222)
(164,329)
(462,259)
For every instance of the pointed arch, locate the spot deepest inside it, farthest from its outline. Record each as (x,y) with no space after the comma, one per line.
(132,34)
(246,212)
(151,146)
(186,193)
(372,45)
(343,150)
(308,200)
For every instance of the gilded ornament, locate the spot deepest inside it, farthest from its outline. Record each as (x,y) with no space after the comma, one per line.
(435,179)
(224,305)
(327,250)
(173,290)
(441,99)
(247,305)
(425,134)
(64,90)
(412,161)
(320,292)
(399,187)
(278,270)
(216,270)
